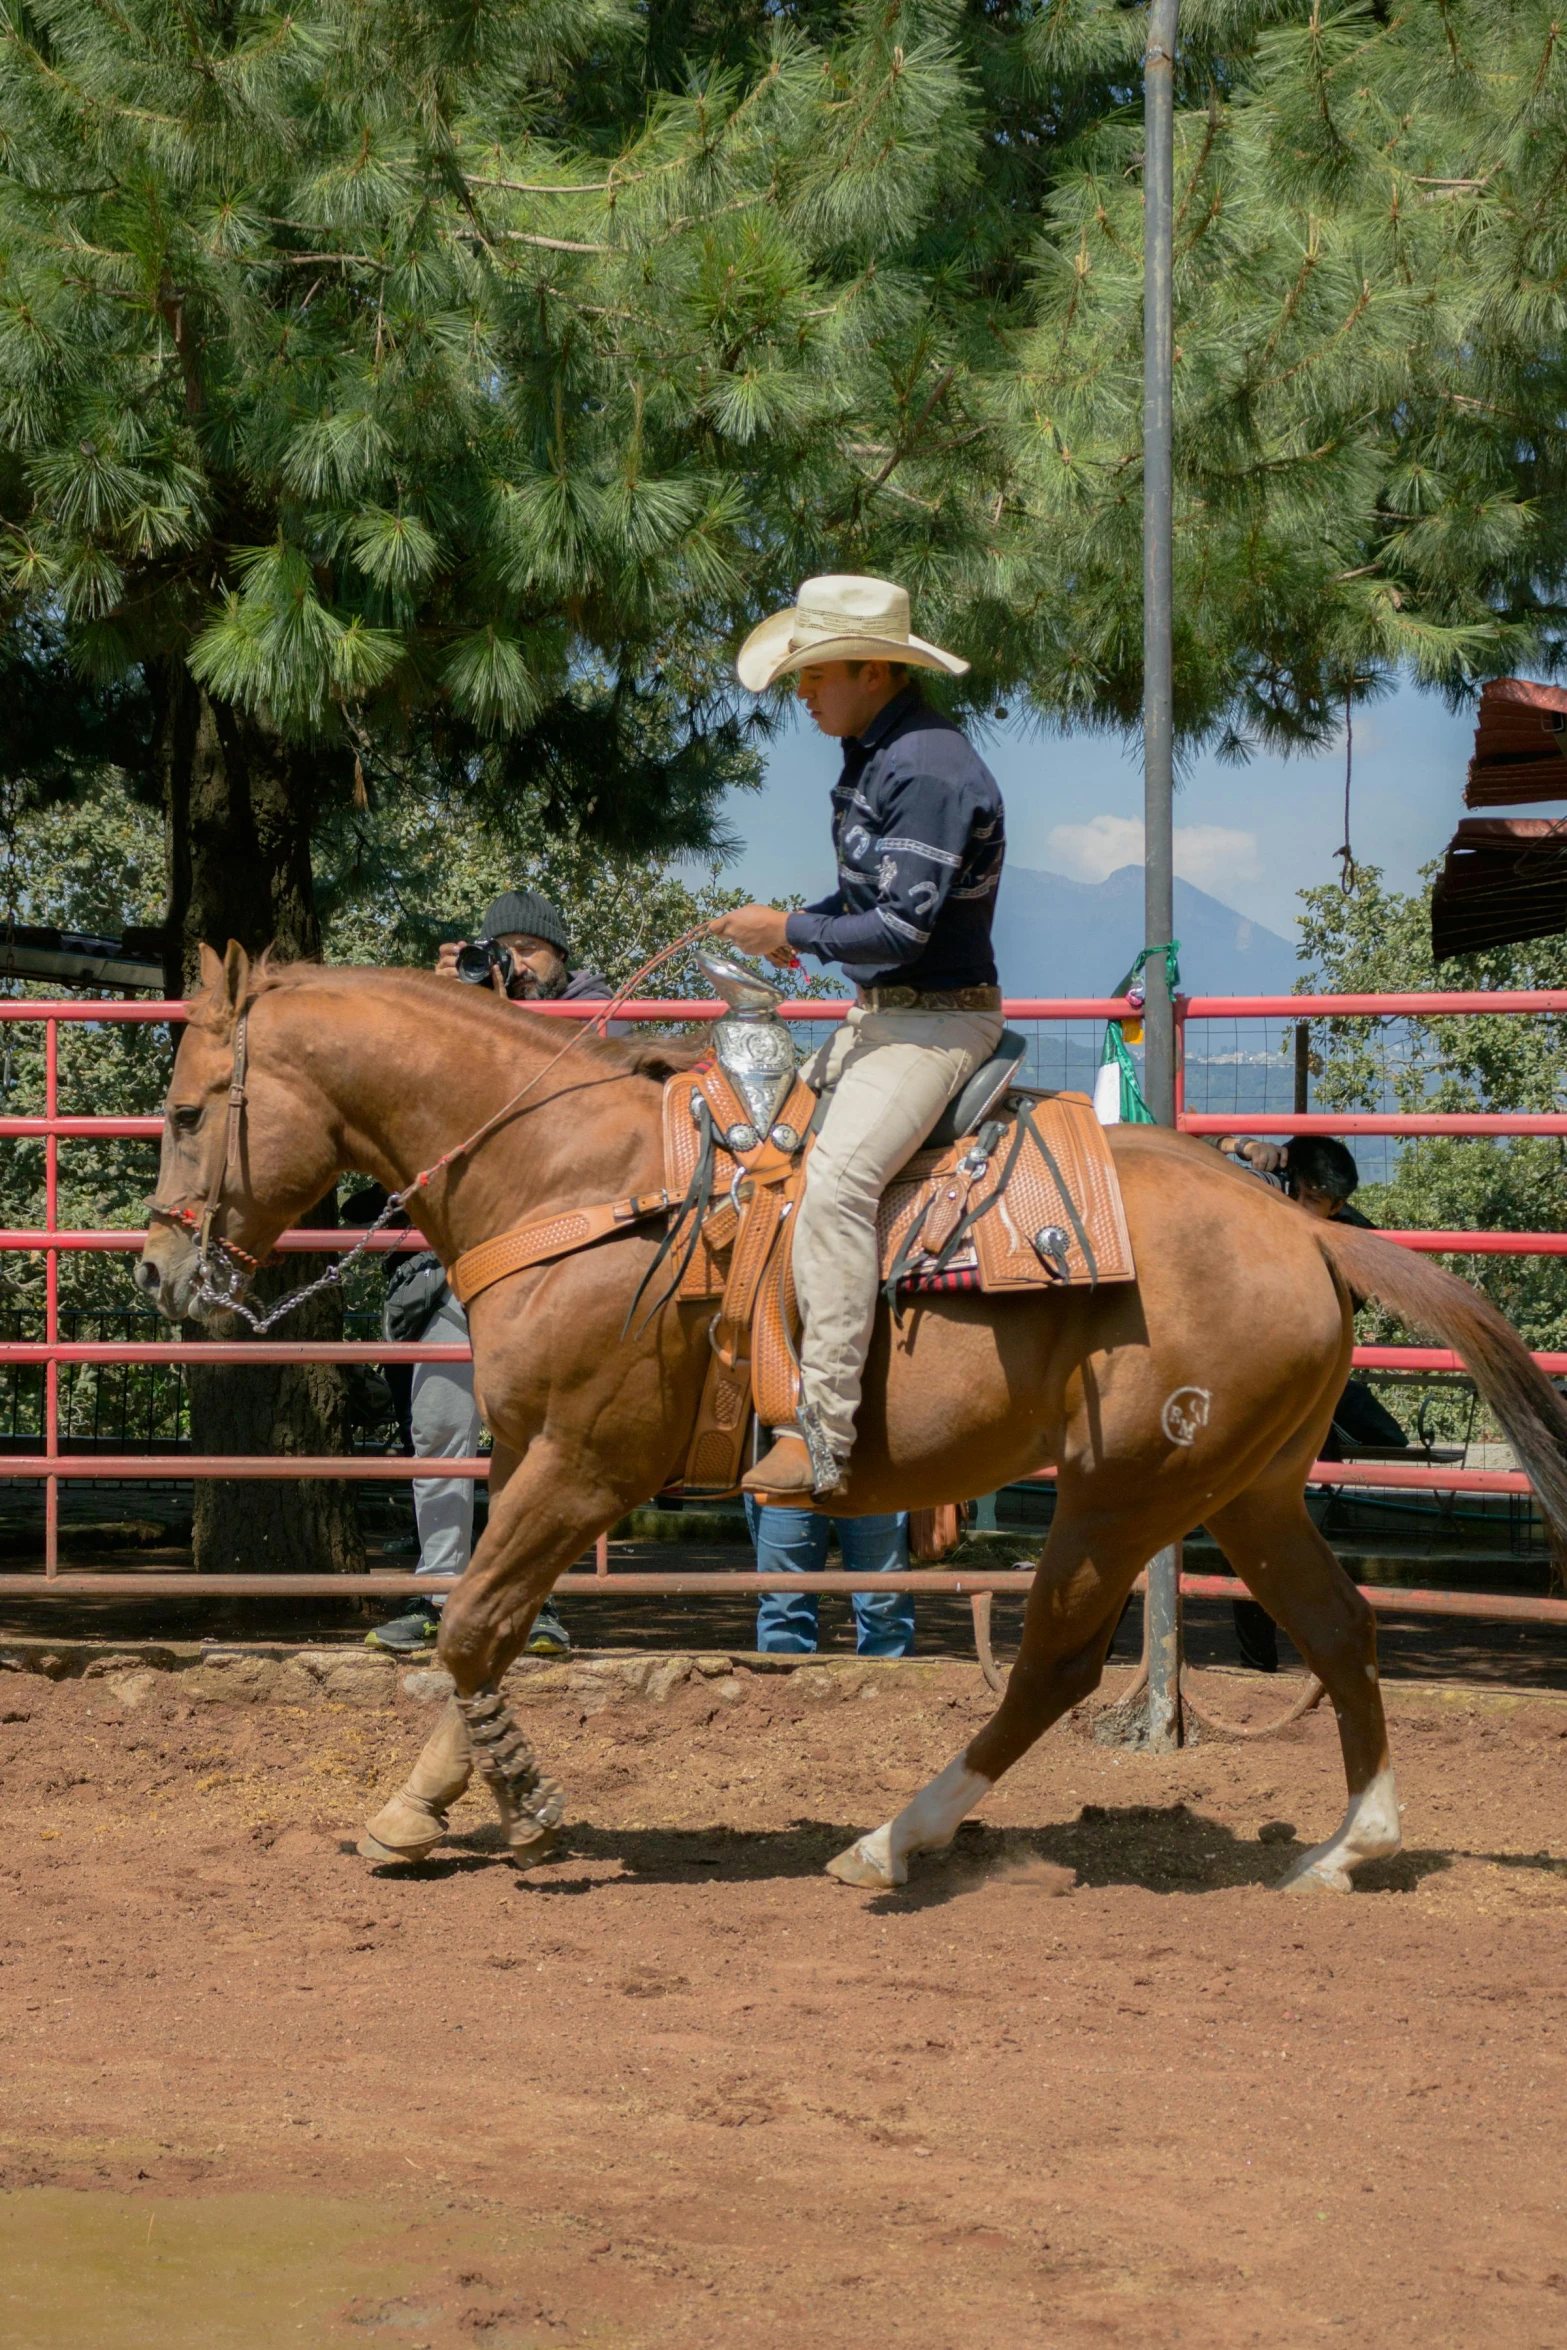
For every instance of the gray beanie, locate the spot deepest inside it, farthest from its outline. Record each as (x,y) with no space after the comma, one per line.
(524,910)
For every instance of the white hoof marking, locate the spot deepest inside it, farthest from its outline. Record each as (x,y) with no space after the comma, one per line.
(868,1863)
(1369,1831)
(924,1825)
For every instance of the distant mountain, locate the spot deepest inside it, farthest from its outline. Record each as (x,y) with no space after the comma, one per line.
(1059,937)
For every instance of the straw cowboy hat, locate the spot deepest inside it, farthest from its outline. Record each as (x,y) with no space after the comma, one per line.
(839,618)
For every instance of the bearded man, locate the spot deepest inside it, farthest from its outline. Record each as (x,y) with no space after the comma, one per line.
(917,827)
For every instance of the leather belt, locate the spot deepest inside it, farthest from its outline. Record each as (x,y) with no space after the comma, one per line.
(930,999)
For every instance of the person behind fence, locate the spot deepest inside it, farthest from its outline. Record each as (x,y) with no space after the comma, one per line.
(917,829)
(1320,1172)
(522,953)
(794,1542)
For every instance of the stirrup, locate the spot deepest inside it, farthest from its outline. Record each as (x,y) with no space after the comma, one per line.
(795,1473)
(784,1475)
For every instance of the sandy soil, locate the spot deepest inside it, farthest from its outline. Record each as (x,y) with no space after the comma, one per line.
(1087,2081)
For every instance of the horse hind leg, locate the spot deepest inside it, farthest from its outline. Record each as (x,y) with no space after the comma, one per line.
(1084,1576)
(1269,1539)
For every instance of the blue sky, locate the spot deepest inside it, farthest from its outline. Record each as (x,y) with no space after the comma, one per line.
(1252,836)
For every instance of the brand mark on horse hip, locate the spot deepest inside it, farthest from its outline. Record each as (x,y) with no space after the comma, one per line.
(1185,1410)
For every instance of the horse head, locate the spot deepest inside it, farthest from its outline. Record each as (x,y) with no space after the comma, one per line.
(232,1171)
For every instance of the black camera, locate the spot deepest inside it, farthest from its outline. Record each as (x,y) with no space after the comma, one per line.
(480,957)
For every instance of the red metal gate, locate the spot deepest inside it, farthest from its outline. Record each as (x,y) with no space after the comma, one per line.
(52,1241)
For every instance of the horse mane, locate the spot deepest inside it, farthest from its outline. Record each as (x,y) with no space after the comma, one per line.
(654,1057)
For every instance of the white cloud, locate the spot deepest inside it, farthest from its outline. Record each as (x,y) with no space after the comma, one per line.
(1213,856)
(1093,851)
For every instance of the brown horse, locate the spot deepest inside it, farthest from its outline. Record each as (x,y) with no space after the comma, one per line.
(1198,1395)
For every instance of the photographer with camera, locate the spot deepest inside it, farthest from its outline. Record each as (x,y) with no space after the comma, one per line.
(521,953)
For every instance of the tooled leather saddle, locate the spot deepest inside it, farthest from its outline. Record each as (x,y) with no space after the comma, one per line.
(1014,1190)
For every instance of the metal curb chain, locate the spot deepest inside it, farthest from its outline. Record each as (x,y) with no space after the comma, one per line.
(230,1298)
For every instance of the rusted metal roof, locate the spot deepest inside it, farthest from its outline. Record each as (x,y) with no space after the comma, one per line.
(1505,880)
(1520,751)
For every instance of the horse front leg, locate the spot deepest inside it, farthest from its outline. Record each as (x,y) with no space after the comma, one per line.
(543,1514)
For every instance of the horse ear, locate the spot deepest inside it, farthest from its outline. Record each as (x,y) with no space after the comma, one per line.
(235,976)
(211,971)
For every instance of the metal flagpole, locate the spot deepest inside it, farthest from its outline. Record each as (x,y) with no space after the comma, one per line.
(1163,1726)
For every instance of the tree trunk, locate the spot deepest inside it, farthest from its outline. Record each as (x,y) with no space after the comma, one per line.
(238,801)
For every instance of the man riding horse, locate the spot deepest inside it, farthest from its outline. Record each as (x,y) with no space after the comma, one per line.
(917,825)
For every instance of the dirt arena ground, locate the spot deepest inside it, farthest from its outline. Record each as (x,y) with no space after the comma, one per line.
(1087,2081)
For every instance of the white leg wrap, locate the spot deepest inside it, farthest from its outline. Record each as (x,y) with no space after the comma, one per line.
(930,1821)
(1369,1831)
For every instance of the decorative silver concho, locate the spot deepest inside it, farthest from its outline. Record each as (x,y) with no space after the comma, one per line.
(755,1050)
(1051,1246)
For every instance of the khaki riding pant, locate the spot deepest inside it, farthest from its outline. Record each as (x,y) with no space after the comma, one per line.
(896,1073)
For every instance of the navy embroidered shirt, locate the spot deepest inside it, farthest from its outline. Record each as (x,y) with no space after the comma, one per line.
(918,826)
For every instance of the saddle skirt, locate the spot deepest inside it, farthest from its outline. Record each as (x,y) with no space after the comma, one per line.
(1029,1201)
(1049,1202)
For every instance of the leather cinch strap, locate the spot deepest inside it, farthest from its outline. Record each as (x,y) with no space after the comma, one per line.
(478,1269)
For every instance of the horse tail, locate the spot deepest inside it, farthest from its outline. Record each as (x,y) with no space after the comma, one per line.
(1439,1306)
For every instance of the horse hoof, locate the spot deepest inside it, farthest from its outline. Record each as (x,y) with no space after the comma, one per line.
(407,1828)
(861,1866)
(525,1850)
(371,1849)
(1316,1876)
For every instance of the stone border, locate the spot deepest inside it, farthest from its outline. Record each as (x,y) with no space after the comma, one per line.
(278,1673)
(281,1673)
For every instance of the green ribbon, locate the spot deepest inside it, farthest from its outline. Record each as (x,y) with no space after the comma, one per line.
(1134,1109)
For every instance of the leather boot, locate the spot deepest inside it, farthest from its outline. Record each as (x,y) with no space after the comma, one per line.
(785,1475)
(414,1822)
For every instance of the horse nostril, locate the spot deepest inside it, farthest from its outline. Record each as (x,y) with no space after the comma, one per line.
(146,1277)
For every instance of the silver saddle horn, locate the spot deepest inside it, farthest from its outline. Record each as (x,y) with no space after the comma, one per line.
(755,1049)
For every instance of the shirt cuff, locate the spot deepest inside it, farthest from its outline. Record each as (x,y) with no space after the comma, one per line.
(803,930)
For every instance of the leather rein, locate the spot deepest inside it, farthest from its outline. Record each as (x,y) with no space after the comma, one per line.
(242,1265)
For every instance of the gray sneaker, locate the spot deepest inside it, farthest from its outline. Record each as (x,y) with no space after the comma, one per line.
(409,1633)
(549,1636)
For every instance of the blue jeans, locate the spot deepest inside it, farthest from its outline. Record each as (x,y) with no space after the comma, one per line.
(795,1542)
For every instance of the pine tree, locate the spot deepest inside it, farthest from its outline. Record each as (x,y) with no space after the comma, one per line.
(1368,379)
(381,382)
(393,391)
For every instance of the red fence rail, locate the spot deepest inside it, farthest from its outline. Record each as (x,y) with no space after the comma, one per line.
(53,1466)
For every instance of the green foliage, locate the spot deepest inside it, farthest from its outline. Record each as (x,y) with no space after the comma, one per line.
(397,366)
(1379,940)
(1368,380)
(395,882)
(397,369)
(87,864)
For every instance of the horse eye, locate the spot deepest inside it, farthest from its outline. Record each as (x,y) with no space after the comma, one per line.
(186,1118)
